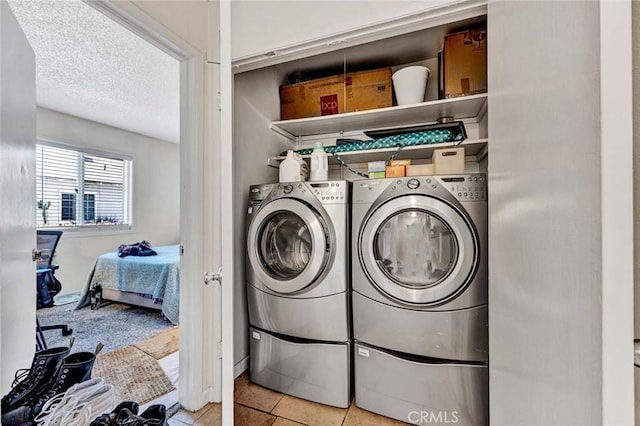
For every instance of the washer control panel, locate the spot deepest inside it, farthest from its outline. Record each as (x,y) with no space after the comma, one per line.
(467,188)
(330,192)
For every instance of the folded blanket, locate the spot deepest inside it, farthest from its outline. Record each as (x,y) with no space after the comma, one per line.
(143,248)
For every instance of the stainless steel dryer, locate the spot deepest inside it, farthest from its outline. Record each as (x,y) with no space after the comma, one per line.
(298,289)
(419,277)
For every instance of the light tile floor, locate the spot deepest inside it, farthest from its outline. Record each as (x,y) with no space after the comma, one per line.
(258,406)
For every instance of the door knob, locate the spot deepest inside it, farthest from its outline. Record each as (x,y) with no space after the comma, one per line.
(213,276)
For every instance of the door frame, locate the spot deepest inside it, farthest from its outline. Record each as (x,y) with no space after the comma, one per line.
(200,367)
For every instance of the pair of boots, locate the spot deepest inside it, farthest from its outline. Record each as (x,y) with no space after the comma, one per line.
(53,371)
(126,414)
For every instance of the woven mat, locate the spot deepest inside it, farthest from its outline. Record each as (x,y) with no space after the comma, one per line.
(135,375)
(160,345)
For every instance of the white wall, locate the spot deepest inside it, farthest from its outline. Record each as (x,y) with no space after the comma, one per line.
(186,18)
(263,25)
(156,191)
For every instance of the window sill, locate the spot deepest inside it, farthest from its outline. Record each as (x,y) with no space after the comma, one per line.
(90,231)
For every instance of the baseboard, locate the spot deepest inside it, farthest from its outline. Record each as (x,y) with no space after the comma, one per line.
(241,366)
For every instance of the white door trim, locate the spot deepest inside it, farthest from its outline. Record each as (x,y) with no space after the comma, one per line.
(199,332)
(616,191)
(225,163)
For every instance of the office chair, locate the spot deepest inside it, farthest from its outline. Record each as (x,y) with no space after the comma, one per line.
(47,285)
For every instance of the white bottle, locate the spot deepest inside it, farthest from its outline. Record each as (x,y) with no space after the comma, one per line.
(319,163)
(290,168)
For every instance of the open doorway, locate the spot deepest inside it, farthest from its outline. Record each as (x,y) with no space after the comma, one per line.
(108,174)
(169,26)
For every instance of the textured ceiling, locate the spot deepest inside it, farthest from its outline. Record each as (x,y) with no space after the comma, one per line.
(90,66)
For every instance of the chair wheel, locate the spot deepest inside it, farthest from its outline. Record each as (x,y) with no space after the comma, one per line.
(67,333)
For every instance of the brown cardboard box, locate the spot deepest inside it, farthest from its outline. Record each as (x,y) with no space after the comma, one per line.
(357,91)
(394,171)
(465,63)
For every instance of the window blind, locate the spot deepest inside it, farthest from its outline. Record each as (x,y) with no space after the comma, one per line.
(67,177)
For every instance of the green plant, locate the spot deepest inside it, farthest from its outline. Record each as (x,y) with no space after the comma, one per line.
(44,207)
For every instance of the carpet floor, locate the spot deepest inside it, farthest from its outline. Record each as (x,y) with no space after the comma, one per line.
(115,326)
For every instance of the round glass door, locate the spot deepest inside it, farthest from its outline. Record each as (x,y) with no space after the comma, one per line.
(287,245)
(418,249)
(415,249)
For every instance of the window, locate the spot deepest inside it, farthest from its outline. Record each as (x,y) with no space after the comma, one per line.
(66,175)
(68,207)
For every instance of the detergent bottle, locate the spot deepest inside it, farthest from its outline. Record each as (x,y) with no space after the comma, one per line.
(290,168)
(319,163)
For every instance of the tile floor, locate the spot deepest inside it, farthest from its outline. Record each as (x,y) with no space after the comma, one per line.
(258,406)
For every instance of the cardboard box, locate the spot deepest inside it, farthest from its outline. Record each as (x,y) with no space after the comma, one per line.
(395,171)
(420,170)
(376,175)
(448,161)
(465,63)
(357,91)
(400,162)
(376,166)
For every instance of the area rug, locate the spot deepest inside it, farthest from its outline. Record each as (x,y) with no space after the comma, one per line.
(134,375)
(161,344)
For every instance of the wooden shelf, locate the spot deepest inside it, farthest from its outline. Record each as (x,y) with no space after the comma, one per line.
(398,116)
(472,148)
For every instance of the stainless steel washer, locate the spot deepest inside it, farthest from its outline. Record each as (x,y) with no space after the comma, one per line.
(419,277)
(298,289)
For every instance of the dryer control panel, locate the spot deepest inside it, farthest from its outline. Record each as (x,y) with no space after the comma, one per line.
(330,192)
(467,188)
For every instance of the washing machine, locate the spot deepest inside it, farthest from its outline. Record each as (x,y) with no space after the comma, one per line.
(298,290)
(420,318)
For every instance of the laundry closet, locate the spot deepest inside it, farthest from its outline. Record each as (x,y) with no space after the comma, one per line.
(536,136)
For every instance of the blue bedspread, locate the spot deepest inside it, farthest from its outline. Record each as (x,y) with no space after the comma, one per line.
(155,276)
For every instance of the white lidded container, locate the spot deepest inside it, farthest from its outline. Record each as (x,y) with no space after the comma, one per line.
(319,163)
(290,168)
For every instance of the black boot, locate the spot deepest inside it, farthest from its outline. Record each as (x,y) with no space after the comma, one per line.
(44,366)
(155,415)
(75,368)
(109,419)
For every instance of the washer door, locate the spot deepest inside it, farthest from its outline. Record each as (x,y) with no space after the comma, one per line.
(287,245)
(418,249)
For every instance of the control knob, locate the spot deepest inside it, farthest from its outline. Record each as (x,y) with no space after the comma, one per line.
(413,184)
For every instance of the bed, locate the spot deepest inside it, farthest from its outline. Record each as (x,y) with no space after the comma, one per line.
(149,281)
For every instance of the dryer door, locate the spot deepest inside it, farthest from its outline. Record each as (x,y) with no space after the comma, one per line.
(288,245)
(418,250)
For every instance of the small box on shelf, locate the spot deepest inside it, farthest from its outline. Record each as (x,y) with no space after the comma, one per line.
(395,171)
(377,175)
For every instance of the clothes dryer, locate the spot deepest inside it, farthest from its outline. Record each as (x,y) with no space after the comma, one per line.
(298,289)
(419,277)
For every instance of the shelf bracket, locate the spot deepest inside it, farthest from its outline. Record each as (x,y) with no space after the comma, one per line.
(272,162)
(284,133)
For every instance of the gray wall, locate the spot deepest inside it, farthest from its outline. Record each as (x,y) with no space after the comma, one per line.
(253,142)
(156,192)
(545,283)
